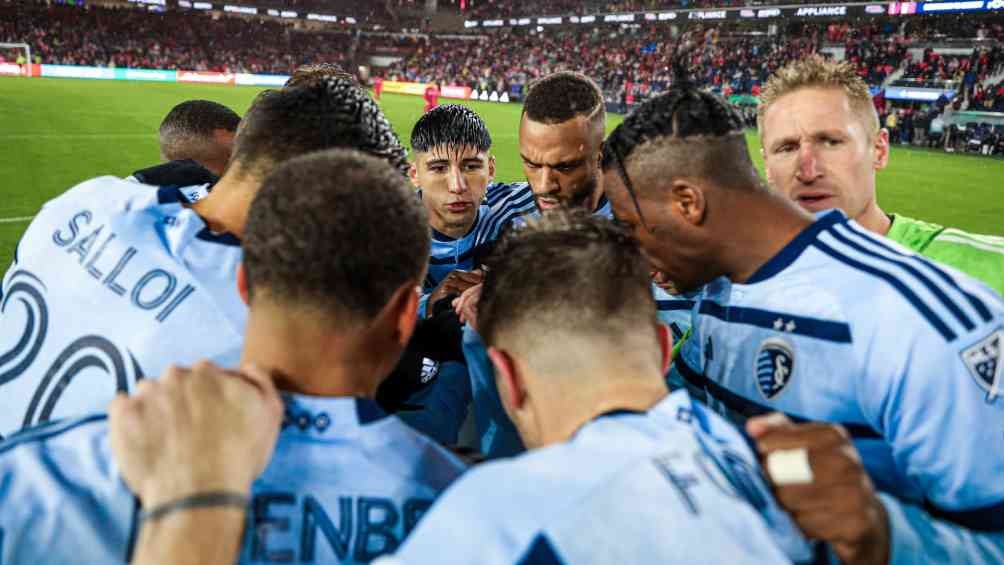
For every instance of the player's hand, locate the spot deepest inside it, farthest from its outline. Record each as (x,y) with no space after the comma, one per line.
(662,281)
(195,430)
(837,503)
(455,283)
(466,305)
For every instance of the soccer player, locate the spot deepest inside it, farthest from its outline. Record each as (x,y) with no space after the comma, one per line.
(346,482)
(823,320)
(619,470)
(560,140)
(431,97)
(822,145)
(199,130)
(113,281)
(453,168)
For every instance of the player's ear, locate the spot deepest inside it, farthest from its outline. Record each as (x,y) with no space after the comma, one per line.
(665,337)
(413,173)
(881,146)
(242,284)
(491,166)
(508,380)
(401,312)
(688,201)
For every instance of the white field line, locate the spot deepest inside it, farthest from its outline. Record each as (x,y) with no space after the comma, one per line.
(16,220)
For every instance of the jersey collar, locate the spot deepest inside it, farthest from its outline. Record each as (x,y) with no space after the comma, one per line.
(327,417)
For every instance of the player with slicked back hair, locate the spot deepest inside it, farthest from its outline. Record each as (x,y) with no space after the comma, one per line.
(823,147)
(199,130)
(142,278)
(453,168)
(823,321)
(332,302)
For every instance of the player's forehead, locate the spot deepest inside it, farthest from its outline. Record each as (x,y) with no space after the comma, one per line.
(451,154)
(810,110)
(549,144)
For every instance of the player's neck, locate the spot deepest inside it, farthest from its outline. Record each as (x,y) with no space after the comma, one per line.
(225,209)
(758,225)
(566,411)
(307,358)
(874,219)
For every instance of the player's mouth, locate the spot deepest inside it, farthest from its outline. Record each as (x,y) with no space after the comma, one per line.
(548,203)
(459,207)
(815,201)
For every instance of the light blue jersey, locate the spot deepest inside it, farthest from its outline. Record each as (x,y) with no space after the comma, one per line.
(503,203)
(844,326)
(112,281)
(676,484)
(497,437)
(346,484)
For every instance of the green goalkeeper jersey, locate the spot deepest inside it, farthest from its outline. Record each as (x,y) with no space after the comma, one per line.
(980,256)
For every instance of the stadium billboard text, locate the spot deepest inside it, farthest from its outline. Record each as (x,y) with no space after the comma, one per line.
(461,92)
(203,77)
(15,70)
(72,71)
(397,87)
(245,79)
(810,11)
(152,75)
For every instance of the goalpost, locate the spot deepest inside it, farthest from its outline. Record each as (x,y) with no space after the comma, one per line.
(15,67)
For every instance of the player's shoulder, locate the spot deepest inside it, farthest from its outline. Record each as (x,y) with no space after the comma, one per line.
(499,191)
(880,284)
(412,454)
(105,190)
(76,445)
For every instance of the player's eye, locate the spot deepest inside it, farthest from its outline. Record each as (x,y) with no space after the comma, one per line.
(786,148)
(832,142)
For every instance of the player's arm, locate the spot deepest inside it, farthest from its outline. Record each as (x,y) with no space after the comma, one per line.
(189,445)
(940,409)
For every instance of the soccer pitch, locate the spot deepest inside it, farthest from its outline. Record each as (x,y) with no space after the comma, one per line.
(55,133)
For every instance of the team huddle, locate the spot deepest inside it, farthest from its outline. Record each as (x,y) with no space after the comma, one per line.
(642,354)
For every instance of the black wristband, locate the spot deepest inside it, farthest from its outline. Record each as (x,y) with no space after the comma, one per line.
(201,500)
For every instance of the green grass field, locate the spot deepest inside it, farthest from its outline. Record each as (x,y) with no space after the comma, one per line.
(55,133)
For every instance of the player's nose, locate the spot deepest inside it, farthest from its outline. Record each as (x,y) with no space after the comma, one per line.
(808,168)
(456,182)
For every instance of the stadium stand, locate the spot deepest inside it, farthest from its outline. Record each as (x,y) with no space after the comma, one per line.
(947,53)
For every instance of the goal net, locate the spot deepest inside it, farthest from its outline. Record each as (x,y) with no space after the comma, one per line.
(15,59)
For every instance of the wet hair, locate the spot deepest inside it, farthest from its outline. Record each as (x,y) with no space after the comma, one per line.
(312,239)
(187,132)
(561,96)
(322,114)
(532,272)
(451,126)
(305,74)
(688,132)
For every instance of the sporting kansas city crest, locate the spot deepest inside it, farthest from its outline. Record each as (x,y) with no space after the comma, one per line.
(775,363)
(984,361)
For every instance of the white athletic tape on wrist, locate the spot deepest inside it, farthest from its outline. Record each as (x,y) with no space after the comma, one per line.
(790,466)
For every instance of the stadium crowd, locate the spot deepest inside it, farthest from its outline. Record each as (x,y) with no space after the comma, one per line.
(663,357)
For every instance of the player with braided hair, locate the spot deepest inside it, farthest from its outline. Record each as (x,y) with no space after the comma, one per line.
(114,280)
(822,320)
